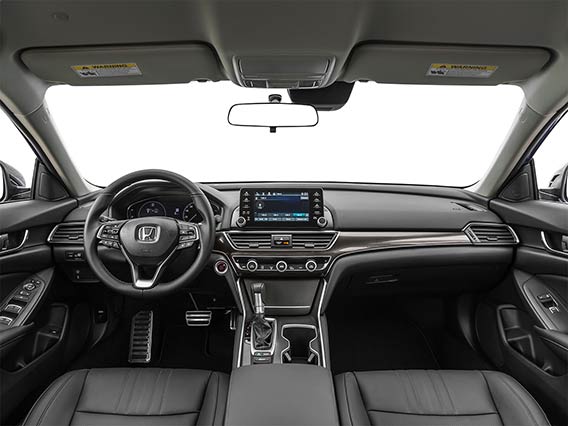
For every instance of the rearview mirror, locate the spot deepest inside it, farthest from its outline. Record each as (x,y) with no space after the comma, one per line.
(273,115)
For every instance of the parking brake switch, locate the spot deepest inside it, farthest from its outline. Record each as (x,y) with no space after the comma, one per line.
(548,302)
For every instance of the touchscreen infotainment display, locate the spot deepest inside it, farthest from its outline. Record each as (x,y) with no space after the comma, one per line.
(281,207)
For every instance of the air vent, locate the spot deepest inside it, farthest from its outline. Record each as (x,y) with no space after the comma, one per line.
(299,241)
(244,241)
(497,234)
(67,233)
(312,241)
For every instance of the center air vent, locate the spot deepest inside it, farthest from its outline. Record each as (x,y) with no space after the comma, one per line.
(497,234)
(67,233)
(299,241)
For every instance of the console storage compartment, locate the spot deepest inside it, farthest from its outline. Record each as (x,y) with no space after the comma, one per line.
(281,394)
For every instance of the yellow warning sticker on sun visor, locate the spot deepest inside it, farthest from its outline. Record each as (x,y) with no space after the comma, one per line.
(461,70)
(106,70)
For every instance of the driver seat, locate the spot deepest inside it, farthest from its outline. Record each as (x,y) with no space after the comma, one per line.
(133,396)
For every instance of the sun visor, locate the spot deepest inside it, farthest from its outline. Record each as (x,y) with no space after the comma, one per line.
(91,66)
(443,64)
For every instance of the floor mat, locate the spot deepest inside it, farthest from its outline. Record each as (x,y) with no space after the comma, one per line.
(208,348)
(378,344)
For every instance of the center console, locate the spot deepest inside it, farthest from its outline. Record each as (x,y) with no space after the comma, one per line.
(280,242)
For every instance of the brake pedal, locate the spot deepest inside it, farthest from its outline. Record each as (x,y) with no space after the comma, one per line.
(198,318)
(141,337)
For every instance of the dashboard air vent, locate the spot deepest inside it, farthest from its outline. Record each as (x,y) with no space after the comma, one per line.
(312,241)
(244,241)
(299,241)
(67,233)
(497,234)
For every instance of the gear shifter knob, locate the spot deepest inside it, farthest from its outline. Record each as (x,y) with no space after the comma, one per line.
(258,293)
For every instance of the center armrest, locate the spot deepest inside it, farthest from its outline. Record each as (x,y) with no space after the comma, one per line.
(281,394)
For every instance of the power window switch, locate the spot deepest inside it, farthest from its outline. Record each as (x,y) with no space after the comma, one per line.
(5,320)
(13,308)
(22,297)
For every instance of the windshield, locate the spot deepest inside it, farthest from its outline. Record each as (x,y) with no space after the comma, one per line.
(409,134)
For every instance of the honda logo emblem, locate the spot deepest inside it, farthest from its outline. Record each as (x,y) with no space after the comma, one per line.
(148,233)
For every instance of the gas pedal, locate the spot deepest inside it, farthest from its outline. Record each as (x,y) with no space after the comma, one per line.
(141,337)
(198,318)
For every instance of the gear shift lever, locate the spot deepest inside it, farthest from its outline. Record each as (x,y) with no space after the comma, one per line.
(261,328)
(258,294)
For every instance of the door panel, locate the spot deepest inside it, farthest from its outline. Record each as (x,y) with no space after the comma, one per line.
(532,327)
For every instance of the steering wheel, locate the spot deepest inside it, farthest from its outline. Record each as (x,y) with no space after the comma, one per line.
(149,243)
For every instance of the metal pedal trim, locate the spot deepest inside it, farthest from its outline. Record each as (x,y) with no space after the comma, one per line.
(141,338)
(198,318)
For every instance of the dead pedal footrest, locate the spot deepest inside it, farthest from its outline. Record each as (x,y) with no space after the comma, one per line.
(198,318)
(141,337)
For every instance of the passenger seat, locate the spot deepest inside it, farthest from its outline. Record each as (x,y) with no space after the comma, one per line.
(432,397)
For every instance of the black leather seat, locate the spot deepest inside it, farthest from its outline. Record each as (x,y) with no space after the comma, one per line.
(415,397)
(133,396)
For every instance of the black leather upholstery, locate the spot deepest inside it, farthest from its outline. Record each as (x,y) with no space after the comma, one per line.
(141,396)
(415,397)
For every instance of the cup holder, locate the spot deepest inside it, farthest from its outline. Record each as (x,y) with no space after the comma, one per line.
(300,340)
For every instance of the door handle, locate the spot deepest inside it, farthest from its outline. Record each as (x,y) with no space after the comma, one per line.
(7,245)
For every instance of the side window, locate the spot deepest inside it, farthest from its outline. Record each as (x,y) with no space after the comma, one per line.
(17,162)
(551,164)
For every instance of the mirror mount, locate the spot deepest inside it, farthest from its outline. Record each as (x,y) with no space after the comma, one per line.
(275,98)
(13,183)
(557,189)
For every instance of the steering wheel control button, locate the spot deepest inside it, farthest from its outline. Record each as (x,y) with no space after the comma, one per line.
(322,222)
(311,265)
(281,266)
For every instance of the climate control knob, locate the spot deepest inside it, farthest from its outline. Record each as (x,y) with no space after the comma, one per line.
(281,266)
(252,265)
(311,265)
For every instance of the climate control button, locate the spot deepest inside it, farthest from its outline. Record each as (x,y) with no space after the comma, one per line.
(311,265)
(281,266)
(252,265)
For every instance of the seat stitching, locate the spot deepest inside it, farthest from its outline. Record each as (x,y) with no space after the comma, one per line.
(429,373)
(79,397)
(411,381)
(45,392)
(53,398)
(164,392)
(216,399)
(124,379)
(407,399)
(524,405)
(131,392)
(491,396)
(347,396)
(156,381)
(181,413)
(435,414)
(454,409)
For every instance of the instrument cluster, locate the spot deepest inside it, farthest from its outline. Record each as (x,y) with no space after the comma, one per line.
(175,207)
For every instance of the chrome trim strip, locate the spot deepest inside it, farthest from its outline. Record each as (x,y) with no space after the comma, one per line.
(285,326)
(287,307)
(467,227)
(56,227)
(323,361)
(548,247)
(19,247)
(242,333)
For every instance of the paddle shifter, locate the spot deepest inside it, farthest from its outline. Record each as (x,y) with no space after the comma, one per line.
(262,333)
